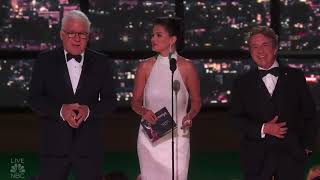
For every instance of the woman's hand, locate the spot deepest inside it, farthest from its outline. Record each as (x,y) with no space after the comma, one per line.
(186,122)
(149,116)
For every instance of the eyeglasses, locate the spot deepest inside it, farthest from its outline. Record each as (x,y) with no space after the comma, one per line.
(82,35)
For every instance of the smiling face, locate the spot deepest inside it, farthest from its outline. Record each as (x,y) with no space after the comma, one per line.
(263,51)
(79,31)
(161,40)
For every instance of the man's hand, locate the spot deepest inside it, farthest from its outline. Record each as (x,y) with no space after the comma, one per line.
(275,129)
(68,113)
(83,111)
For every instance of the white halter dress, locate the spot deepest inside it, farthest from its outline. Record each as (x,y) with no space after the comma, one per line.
(155,158)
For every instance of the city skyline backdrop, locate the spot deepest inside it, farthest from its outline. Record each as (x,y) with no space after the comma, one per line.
(216,78)
(125,26)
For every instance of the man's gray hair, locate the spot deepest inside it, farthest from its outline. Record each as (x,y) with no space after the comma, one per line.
(76,15)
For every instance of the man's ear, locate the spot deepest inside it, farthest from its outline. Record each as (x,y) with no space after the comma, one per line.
(276,47)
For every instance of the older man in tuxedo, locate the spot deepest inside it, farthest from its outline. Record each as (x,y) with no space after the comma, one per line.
(71,89)
(274,112)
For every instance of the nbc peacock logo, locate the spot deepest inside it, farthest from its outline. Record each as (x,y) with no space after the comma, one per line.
(17,169)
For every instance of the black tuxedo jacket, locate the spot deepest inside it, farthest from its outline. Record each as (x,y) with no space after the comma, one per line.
(51,88)
(252,106)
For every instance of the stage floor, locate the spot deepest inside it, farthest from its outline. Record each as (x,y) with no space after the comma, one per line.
(203,166)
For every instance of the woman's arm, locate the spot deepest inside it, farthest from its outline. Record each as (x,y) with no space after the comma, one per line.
(137,99)
(193,86)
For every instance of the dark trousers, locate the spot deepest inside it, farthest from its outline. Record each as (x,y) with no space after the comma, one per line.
(279,166)
(58,168)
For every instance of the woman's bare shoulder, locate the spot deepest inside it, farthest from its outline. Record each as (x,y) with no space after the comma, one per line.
(185,63)
(147,63)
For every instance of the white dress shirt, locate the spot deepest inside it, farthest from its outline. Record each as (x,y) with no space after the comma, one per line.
(74,69)
(270,82)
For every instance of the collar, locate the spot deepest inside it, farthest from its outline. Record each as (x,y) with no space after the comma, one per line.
(65,56)
(275,64)
(165,59)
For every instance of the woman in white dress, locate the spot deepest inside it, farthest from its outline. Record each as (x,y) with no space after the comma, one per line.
(152,91)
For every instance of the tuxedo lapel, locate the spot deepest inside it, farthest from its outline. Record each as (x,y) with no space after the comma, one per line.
(62,69)
(262,89)
(279,88)
(87,62)
(262,98)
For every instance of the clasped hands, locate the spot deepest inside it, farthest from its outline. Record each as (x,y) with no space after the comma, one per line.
(74,114)
(152,118)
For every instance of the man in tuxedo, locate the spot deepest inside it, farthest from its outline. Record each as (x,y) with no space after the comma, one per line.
(71,89)
(274,112)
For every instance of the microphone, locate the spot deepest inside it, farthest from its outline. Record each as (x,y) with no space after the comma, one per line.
(173,64)
(176,86)
(173,67)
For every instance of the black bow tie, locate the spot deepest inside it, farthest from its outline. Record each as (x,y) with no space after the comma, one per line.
(274,71)
(75,57)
